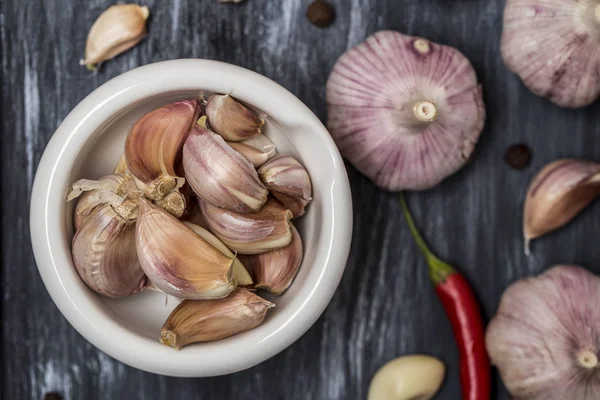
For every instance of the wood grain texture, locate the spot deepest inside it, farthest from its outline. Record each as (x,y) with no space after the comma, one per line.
(385,306)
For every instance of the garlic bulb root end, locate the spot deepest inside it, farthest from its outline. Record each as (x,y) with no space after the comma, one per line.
(425,111)
(587,359)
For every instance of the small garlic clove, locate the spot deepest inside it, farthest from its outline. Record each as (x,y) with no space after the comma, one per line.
(177,260)
(121,167)
(104,253)
(239,270)
(406,112)
(257,150)
(153,147)
(110,189)
(116,30)
(232,120)
(557,194)
(408,377)
(553,47)
(250,233)
(276,269)
(220,175)
(209,320)
(289,182)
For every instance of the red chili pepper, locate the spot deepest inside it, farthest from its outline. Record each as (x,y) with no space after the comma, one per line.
(463,311)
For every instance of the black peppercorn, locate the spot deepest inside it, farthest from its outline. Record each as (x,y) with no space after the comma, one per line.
(518,156)
(320,13)
(52,396)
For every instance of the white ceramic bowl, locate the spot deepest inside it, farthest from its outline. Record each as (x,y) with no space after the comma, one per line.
(89,143)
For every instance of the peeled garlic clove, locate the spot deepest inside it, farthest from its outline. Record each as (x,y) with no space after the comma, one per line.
(289,182)
(116,30)
(153,147)
(177,260)
(104,253)
(232,120)
(239,271)
(557,194)
(110,189)
(407,378)
(544,336)
(404,111)
(220,175)
(553,46)
(276,269)
(250,233)
(205,321)
(257,150)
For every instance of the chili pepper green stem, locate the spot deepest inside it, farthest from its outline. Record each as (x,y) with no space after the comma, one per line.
(439,271)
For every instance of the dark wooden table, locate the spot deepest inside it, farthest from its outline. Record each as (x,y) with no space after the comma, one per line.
(385,306)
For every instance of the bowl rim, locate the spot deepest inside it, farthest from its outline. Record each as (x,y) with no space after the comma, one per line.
(56,163)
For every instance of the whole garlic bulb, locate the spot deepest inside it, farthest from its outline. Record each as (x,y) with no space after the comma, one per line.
(545,336)
(404,111)
(554,47)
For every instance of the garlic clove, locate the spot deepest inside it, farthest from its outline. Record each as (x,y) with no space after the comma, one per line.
(406,112)
(557,194)
(232,120)
(177,260)
(104,253)
(553,47)
(257,150)
(250,233)
(544,336)
(110,189)
(276,269)
(121,167)
(289,182)
(209,320)
(408,377)
(116,30)
(174,203)
(220,175)
(153,147)
(239,270)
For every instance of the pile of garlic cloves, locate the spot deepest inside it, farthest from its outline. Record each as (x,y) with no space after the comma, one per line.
(200,207)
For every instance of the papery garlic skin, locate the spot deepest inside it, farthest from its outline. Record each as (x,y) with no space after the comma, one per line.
(232,120)
(116,30)
(554,47)
(104,253)
(209,320)
(276,269)
(153,147)
(250,233)
(406,112)
(545,336)
(289,182)
(177,260)
(557,194)
(239,270)
(110,189)
(220,175)
(257,150)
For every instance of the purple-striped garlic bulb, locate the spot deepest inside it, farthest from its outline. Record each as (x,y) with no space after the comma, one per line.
(554,47)
(545,336)
(404,111)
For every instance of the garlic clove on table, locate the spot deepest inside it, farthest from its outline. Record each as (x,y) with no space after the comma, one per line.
(104,253)
(177,260)
(250,233)
(220,175)
(406,112)
(117,29)
(554,47)
(557,194)
(289,182)
(208,320)
(153,148)
(231,119)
